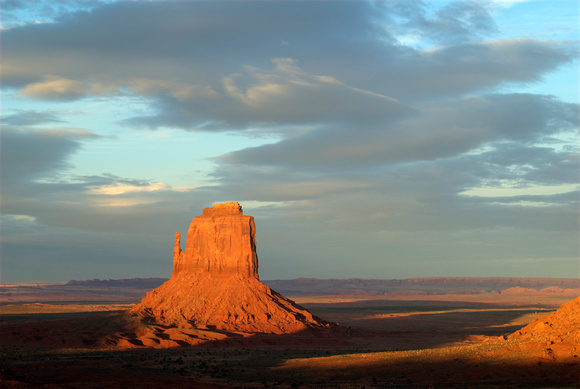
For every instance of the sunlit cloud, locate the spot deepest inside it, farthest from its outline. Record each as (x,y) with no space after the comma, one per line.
(19,218)
(513,190)
(121,188)
(130,202)
(57,88)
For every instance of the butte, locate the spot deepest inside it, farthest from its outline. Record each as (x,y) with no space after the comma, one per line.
(215,283)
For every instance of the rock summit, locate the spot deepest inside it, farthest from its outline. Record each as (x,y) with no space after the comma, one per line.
(215,283)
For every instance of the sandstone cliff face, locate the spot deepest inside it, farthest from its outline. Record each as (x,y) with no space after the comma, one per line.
(221,241)
(215,283)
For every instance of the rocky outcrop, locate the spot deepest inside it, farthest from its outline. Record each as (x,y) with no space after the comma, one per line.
(215,282)
(558,334)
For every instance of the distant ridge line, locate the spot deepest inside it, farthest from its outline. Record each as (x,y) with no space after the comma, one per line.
(124,282)
(464,285)
(443,283)
(133,289)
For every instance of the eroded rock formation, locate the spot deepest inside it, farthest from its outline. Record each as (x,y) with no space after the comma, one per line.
(558,333)
(221,241)
(215,283)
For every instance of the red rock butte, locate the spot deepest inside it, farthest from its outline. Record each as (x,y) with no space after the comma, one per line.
(215,282)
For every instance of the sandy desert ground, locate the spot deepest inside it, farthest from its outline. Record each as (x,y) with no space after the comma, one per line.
(397,341)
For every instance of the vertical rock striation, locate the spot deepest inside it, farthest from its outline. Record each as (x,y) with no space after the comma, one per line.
(215,282)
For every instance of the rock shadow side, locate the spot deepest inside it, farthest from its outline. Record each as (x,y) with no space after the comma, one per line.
(215,282)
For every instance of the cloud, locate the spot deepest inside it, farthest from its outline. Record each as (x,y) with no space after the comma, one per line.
(511,191)
(32,251)
(405,216)
(30,118)
(270,99)
(90,53)
(289,95)
(435,130)
(474,67)
(371,122)
(200,34)
(122,188)
(37,182)
(57,225)
(56,88)
(16,13)
(177,90)
(290,92)
(457,21)
(28,155)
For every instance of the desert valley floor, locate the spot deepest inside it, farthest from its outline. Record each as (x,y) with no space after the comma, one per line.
(434,335)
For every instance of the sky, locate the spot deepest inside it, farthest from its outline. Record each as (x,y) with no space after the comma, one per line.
(381,139)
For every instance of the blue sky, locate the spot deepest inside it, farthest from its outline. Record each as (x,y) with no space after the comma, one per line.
(376,139)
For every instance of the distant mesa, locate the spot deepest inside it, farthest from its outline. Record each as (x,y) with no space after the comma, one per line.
(137,283)
(215,283)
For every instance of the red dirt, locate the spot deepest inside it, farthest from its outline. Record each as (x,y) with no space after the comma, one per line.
(448,344)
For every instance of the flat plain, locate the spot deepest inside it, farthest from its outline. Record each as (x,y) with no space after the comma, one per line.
(403,339)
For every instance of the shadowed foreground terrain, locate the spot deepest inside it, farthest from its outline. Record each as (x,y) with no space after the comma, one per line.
(446,340)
